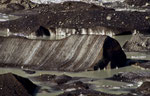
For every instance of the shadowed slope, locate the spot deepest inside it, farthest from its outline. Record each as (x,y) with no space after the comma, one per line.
(13,85)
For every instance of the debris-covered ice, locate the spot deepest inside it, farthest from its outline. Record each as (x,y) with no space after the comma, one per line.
(59,1)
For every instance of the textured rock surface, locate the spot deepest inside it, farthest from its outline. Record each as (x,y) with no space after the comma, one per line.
(52,78)
(62,82)
(13,85)
(138,43)
(15,5)
(145,65)
(85,93)
(73,85)
(78,17)
(144,88)
(131,76)
(29,71)
(75,53)
(137,2)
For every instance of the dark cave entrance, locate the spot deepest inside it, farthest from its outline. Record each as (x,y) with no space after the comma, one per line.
(42,31)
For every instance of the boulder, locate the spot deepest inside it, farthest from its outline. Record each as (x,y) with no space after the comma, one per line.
(144,88)
(44,78)
(145,65)
(63,82)
(131,77)
(58,80)
(74,53)
(14,85)
(29,71)
(62,79)
(73,86)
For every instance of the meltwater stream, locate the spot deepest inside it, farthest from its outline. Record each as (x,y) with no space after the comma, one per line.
(101,84)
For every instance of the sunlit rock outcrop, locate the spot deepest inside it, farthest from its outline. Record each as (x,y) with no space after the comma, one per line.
(138,43)
(75,53)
